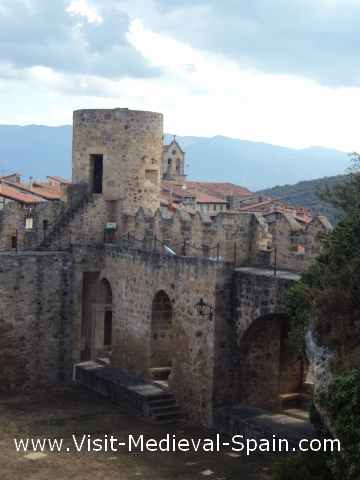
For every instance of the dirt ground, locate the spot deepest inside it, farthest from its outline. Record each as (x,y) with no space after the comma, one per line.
(60,413)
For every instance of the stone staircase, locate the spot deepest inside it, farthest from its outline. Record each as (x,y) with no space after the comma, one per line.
(163,408)
(296,404)
(259,424)
(146,399)
(160,373)
(65,218)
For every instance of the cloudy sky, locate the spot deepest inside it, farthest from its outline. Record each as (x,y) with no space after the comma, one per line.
(280,71)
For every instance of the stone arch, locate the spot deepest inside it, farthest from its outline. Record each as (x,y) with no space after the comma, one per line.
(161,333)
(268,370)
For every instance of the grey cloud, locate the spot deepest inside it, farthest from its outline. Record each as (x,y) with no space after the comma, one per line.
(41,32)
(314,38)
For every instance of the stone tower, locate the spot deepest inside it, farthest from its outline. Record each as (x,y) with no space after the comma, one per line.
(119,153)
(173,167)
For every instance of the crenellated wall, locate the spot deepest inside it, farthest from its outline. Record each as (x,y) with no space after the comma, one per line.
(238,237)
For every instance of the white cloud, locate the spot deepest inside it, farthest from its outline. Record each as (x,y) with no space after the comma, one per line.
(199,92)
(84,9)
(215,96)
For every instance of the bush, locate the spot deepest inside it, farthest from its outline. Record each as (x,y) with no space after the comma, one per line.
(342,402)
(305,466)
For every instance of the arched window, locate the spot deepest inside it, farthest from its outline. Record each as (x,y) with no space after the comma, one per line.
(161,316)
(161,336)
(106,292)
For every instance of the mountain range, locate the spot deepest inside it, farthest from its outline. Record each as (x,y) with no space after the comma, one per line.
(39,151)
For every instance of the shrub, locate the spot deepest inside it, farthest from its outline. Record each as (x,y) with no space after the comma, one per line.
(305,466)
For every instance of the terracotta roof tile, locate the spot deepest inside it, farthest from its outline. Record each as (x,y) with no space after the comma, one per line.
(220,189)
(12,193)
(189,192)
(205,198)
(47,192)
(59,179)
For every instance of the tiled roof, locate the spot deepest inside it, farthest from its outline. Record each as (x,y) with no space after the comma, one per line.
(59,179)
(219,189)
(294,225)
(13,193)
(44,191)
(257,206)
(189,192)
(15,174)
(205,198)
(50,192)
(324,221)
(176,190)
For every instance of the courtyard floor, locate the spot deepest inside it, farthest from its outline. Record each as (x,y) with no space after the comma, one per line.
(61,413)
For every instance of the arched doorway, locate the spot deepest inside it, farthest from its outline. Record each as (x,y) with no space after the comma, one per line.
(161,336)
(97,317)
(268,369)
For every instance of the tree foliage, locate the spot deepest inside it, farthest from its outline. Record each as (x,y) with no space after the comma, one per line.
(329,292)
(346,194)
(328,297)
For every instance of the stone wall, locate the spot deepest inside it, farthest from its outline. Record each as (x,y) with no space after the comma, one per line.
(232,237)
(263,367)
(135,280)
(13,223)
(36,303)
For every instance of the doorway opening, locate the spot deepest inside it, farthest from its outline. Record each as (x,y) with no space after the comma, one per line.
(161,337)
(96,173)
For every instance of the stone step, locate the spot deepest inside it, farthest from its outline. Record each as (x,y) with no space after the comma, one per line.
(294,400)
(160,397)
(296,413)
(103,361)
(168,417)
(308,388)
(164,409)
(143,398)
(170,402)
(160,373)
(164,384)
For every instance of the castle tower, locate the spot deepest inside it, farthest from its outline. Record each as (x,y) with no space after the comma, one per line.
(119,153)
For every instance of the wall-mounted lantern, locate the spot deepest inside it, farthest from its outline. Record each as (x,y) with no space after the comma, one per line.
(204,309)
(29,221)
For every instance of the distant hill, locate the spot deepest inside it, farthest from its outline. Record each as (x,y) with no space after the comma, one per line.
(306,194)
(36,151)
(257,165)
(39,151)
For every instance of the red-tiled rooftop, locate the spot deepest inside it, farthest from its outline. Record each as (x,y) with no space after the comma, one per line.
(219,189)
(177,190)
(13,193)
(188,191)
(59,179)
(205,198)
(257,206)
(43,191)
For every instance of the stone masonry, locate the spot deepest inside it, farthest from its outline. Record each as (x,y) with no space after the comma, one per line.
(87,285)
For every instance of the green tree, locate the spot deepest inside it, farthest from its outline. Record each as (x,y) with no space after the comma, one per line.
(328,298)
